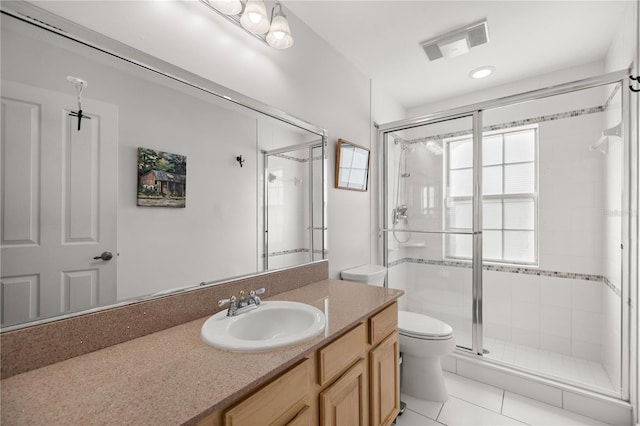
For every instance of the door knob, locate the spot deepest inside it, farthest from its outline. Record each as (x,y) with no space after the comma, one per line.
(104,256)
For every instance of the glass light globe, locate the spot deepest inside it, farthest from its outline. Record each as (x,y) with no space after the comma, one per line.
(228,7)
(279,36)
(254,18)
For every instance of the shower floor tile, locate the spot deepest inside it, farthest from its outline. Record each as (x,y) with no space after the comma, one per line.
(569,369)
(474,403)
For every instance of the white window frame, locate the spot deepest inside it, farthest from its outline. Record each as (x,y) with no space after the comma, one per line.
(501,197)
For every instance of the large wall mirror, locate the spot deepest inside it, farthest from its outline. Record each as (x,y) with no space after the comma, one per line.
(252,177)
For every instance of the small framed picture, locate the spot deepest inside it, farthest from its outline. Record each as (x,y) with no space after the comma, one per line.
(162,179)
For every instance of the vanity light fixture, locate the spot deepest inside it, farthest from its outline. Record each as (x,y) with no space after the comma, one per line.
(279,36)
(228,7)
(252,16)
(481,72)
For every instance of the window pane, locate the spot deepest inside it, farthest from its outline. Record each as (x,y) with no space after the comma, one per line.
(519,146)
(492,214)
(357,178)
(459,246)
(519,178)
(492,180)
(519,214)
(460,183)
(460,154)
(492,245)
(460,215)
(346,157)
(492,150)
(519,246)
(360,158)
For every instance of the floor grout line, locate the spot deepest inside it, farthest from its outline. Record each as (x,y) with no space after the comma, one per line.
(440,410)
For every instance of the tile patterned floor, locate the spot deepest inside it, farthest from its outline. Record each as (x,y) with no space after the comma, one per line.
(475,403)
(571,369)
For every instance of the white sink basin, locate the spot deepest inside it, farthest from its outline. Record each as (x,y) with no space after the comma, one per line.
(273,324)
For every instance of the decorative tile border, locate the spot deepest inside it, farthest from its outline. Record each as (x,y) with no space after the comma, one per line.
(518,123)
(289,157)
(511,124)
(292,251)
(300,160)
(512,270)
(612,286)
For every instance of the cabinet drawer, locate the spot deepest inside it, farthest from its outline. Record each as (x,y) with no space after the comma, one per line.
(339,355)
(280,402)
(383,323)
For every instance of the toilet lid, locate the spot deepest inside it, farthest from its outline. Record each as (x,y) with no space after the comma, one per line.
(420,325)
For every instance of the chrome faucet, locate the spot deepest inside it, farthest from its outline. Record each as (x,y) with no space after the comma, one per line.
(400,213)
(242,304)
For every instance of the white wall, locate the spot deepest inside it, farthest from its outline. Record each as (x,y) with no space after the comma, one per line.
(310,80)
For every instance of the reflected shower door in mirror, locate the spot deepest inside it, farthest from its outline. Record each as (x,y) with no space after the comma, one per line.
(64,185)
(429,226)
(293,179)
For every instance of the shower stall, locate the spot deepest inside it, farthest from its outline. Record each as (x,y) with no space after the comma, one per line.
(293,216)
(509,221)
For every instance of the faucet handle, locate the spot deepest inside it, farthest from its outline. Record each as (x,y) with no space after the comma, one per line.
(253,295)
(223,302)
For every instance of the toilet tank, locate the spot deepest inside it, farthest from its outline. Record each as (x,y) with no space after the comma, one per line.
(368,274)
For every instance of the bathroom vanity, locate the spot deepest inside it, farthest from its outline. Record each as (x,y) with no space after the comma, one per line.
(348,375)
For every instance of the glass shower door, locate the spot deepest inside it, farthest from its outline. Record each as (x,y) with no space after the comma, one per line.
(429,222)
(554,236)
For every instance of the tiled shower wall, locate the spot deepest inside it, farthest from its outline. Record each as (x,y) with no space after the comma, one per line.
(554,312)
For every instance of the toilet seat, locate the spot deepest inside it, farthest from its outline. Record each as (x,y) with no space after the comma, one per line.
(422,326)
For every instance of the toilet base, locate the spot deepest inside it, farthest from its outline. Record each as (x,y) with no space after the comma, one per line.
(422,378)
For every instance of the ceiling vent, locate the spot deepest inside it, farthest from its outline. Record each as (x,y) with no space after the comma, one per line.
(456,42)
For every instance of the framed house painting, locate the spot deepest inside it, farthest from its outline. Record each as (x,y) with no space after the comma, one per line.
(162,179)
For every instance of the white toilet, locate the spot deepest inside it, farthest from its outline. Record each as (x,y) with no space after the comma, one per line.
(423,341)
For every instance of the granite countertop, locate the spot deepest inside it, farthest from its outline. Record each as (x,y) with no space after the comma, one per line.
(172,377)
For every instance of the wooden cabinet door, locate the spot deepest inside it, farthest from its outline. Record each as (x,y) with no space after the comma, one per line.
(384,382)
(342,403)
(282,402)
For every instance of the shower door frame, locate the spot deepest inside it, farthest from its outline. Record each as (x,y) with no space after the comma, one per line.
(629,200)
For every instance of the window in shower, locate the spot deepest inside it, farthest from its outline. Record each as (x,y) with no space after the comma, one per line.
(509,180)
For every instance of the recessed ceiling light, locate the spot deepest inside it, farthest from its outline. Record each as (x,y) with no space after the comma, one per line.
(482,72)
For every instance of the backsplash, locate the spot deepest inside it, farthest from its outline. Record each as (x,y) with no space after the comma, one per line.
(37,346)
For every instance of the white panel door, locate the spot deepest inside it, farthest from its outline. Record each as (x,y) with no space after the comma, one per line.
(59,188)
